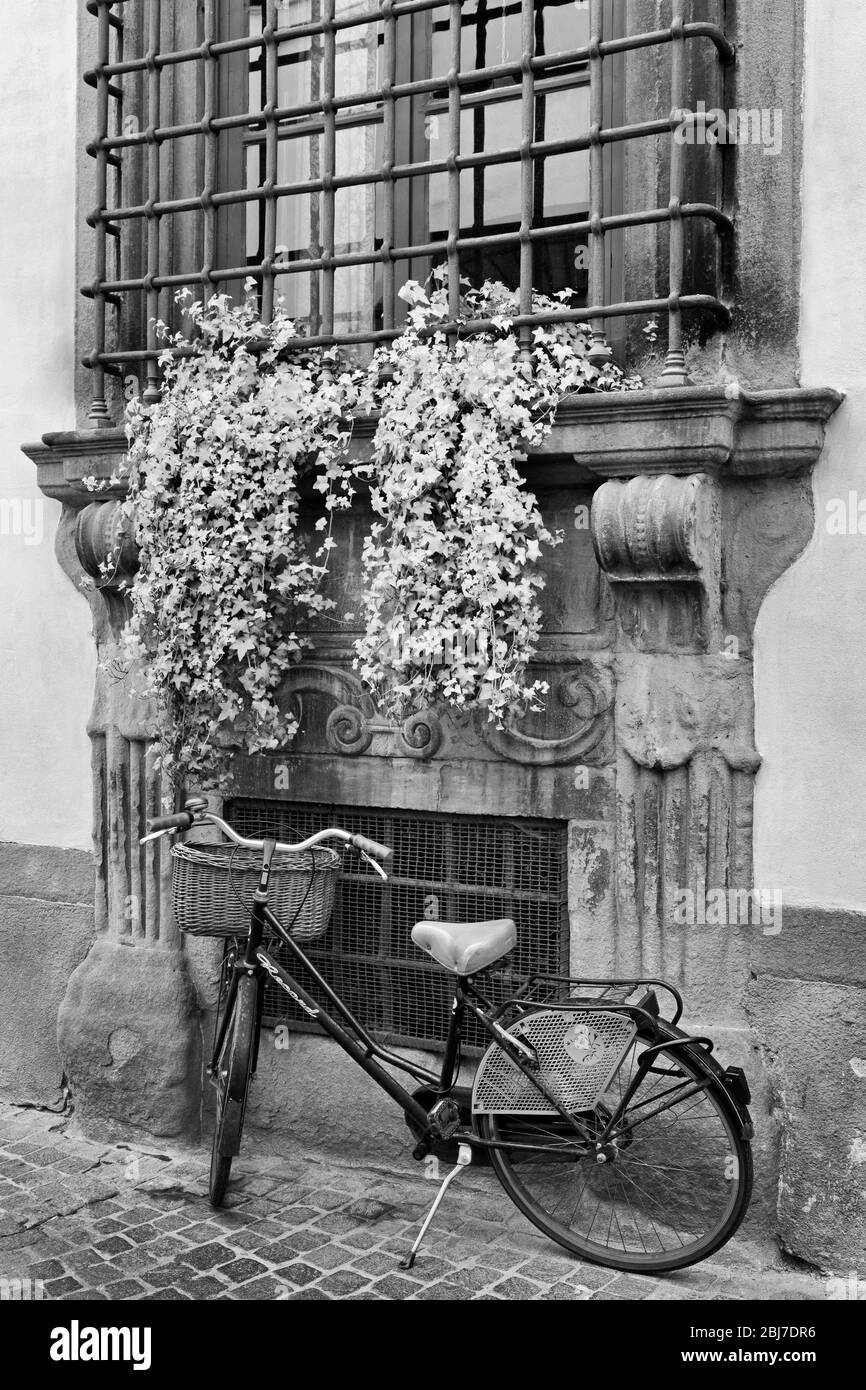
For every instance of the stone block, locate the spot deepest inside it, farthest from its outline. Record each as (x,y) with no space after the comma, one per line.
(41,943)
(129,1037)
(814,1039)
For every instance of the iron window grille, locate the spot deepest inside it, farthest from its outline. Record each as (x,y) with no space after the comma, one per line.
(463,868)
(196,112)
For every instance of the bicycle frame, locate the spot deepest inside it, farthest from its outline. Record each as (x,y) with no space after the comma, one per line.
(528,1028)
(363,1049)
(370,1055)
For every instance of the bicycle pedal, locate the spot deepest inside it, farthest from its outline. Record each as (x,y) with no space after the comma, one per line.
(445,1118)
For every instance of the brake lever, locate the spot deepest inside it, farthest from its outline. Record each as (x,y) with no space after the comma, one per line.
(378,867)
(156,834)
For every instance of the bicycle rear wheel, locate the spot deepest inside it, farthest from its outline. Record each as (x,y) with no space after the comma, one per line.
(676,1178)
(232,1081)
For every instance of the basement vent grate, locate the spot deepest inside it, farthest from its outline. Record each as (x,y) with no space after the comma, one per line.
(456,868)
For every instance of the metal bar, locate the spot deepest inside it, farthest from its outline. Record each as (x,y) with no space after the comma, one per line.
(599,351)
(656,37)
(293,31)
(608,135)
(91,79)
(706,302)
(329,165)
(99,413)
(527,136)
(539,149)
(429,248)
(649,39)
(359,1052)
(92,7)
(151,391)
(271,154)
(469,80)
(389,149)
(327,113)
(374,1048)
(674,373)
(211,144)
(453,168)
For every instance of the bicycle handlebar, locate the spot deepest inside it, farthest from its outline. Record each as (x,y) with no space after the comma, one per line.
(211,818)
(181,820)
(371,847)
(184,820)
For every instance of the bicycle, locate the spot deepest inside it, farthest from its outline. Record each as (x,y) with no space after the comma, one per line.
(617,1134)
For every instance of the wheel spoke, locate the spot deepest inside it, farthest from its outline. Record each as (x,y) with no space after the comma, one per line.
(660,1199)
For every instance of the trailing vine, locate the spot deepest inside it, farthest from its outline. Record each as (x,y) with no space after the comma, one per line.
(226,582)
(451,563)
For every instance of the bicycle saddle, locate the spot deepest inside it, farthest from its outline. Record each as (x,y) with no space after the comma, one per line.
(465,947)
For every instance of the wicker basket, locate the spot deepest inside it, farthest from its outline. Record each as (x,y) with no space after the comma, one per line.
(213,887)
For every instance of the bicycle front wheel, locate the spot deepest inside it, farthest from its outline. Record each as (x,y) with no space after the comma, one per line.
(675,1176)
(232,1081)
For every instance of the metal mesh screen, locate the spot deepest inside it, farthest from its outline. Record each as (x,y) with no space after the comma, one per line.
(331,149)
(578,1055)
(457,868)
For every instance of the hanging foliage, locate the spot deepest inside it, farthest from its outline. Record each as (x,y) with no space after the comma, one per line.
(451,562)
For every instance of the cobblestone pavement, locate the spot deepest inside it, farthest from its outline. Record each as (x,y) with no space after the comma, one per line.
(83,1220)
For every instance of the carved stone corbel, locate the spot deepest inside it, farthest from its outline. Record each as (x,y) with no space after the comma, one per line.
(105,545)
(658,541)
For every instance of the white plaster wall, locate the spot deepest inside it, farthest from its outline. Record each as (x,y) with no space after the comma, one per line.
(46,654)
(810,655)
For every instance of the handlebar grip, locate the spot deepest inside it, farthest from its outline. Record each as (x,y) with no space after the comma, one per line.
(375,851)
(181,820)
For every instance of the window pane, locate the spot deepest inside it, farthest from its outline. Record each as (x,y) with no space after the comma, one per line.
(357,291)
(356,67)
(565,25)
(490,194)
(492,28)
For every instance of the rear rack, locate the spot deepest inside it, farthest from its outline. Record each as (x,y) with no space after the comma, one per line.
(568,991)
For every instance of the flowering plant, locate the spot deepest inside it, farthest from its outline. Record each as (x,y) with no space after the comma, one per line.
(227,584)
(450,563)
(225,579)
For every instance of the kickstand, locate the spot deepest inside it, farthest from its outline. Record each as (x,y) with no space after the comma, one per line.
(464,1157)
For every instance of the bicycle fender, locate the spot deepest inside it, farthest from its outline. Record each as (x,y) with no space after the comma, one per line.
(706,1061)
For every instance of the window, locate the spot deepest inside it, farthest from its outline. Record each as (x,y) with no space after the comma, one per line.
(462,868)
(332,149)
(489,126)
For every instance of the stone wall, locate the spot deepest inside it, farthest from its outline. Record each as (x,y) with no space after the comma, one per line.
(46,930)
(46,655)
(807,1003)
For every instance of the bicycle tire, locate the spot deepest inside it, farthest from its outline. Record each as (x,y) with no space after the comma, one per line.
(530,1180)
(234,1073)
